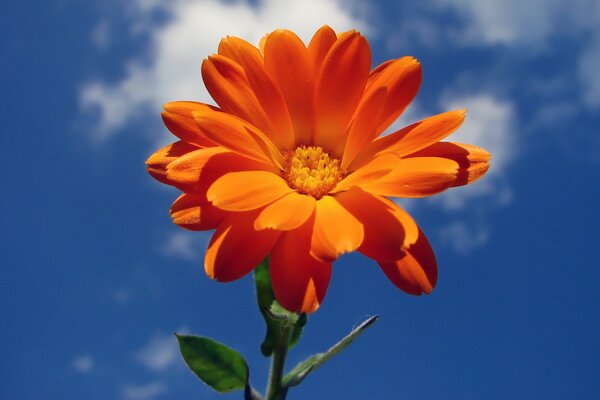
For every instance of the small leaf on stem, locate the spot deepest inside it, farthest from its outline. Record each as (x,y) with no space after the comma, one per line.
(300,371)
(219,366)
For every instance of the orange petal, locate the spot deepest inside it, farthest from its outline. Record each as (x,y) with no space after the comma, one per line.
(287,213)
(416,272)
(401,79)
(320,44)
(388,228)
(414,137)
(289,64)
(415,177)
(299,280)
(194,212)
(363,126)
(236,248)
(237,135)
(339,87)
(178,119)
(194,172)
(374,170)
(473,161)
(226,82)
(247,190)
(336,230)
(157,163)
(265,89)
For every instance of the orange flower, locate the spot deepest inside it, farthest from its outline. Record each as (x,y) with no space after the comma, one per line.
(291,165)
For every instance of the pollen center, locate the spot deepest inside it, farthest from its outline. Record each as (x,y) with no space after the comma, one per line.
(312,171)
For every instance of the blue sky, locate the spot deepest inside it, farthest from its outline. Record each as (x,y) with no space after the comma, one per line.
(95,278)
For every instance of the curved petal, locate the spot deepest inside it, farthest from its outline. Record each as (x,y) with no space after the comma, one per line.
(401,79)
(157,163)
(247,190)
(416,271)
(362,129)
(289,64)
(339,86)
(265,89)
(178,119)
(336,230)
(415,177)
(194,212)
(194,172)
(227,84)
(376,169)
(237,135)
(236,248)
(320,44)
(299,280)
(389,230)
(414,137)
(287,213)
(473,161)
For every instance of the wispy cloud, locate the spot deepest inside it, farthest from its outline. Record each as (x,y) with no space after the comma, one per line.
(143,392)
(464,237)
(184,245)
(83,364)
(159,353)
(192,32)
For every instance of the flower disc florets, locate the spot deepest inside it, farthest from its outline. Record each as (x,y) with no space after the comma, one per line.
(312,171)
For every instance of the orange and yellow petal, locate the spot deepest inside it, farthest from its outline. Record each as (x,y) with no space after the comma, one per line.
(178,118)
(195,213)
(336,231)
(320,44)
(413,138)
(299,280)
(247,190)
(287,213)
(195,171)
(377,168)
(473,161)
(401,78)
(416,271)
(236,248)
(415,177)
(238,135)
(157,163)
(340,84)
(227,84)
(289,64)
(265,89)
(389,230)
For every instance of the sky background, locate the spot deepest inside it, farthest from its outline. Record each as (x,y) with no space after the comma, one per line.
(95,278)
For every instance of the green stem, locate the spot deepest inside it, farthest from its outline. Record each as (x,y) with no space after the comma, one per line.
(275,389)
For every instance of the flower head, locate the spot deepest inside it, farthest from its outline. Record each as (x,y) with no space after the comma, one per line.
(291,163)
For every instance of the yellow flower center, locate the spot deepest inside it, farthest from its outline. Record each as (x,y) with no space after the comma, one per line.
(312,171)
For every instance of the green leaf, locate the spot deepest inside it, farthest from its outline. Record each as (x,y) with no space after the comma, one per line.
(274,314)
(300,371)
(219,366)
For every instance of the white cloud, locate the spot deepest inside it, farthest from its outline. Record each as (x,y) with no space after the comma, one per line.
(490,124)
(101,35)
(83,364)
(193,31)
(509,22)
(588,72)
(464,238)
(159,353)
(185,245)
(143,392)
